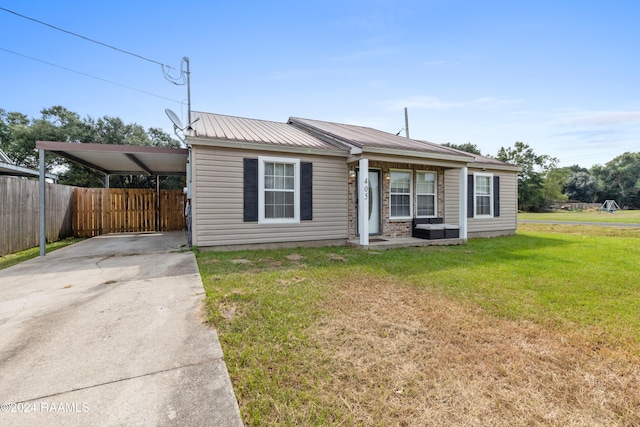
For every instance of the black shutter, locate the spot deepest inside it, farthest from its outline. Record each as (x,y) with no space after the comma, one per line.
(470,191)
(306,191)
(250,190)
(496,196)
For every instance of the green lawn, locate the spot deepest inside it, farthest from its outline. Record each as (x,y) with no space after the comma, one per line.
(269,307)
(18,257)
(629,217)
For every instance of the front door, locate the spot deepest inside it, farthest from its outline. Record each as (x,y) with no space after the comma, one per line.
(374,202)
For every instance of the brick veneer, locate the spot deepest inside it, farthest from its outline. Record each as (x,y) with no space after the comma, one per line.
(391,227)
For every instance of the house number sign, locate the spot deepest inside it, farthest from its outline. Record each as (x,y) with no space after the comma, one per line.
(366,188)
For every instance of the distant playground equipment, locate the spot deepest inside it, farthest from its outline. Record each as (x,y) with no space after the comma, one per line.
(610,206)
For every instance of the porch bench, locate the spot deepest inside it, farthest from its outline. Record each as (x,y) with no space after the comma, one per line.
(434,228)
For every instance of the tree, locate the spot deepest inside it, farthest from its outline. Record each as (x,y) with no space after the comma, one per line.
(19,133)
(554,184)
(531,192)
(468,147)
(620,179)
(582,186)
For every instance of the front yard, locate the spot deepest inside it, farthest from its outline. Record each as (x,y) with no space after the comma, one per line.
(539,328)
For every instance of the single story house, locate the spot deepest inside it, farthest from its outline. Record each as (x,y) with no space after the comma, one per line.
(257,183)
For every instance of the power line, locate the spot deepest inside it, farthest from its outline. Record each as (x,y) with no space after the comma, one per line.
(89,75)
(85,38)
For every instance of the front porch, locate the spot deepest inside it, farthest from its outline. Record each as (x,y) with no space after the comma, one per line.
(378,243)
(400,197)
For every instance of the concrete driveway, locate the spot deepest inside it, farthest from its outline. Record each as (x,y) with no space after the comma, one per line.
(109,332)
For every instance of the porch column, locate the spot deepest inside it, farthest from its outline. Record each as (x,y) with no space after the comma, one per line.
(363,202)
(463,202)
(43,204)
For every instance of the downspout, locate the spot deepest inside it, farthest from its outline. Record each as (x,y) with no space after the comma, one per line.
(187,213)
(463,203)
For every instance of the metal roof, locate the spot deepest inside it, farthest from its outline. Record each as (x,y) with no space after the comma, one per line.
(239,129)
(7,167)
(363,137)
(317,134)
(122,159)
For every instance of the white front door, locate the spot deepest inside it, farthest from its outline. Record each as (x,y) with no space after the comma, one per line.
(374,203)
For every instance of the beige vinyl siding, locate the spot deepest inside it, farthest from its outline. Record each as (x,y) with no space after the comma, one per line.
(218,200)
(452,196)
(507,222)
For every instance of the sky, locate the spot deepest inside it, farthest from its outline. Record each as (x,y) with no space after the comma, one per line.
(561,76)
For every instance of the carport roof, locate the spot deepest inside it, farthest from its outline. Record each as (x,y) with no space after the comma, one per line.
(122,159)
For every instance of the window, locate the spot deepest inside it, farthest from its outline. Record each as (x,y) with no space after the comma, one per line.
(400,189)
(278,190)
(426,189)
(483,190)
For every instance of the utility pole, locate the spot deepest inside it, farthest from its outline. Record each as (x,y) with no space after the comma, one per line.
(185,59)
(406,121)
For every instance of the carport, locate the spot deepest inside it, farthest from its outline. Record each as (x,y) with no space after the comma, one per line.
(113,160)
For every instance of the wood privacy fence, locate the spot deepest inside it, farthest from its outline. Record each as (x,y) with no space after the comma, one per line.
(20,209)
(121,210)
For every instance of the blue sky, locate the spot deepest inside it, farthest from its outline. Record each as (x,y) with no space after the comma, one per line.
(561,76)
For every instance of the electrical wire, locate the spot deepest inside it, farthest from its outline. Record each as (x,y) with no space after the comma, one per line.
(86,38)
(89,75)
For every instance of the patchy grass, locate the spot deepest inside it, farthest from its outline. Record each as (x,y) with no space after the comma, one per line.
(537,329)
(18,257)
(629,217)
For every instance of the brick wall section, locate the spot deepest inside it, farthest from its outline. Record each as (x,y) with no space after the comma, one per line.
(392,228)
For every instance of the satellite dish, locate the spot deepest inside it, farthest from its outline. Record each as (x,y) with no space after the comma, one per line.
(174,119)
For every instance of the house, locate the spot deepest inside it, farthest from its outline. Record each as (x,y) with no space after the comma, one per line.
(257,183)
(8,167)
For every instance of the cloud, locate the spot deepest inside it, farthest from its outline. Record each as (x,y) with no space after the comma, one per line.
(433,103)
(600,118)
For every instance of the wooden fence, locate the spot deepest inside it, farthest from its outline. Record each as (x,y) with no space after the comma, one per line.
(20,209)
(120,210)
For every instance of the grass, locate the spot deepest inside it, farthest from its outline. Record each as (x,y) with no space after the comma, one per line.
(540,328)
(629,217)
(18,257)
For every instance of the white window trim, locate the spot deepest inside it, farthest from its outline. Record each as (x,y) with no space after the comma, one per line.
(435,196)
(296,190)
(475,195)
(410,216)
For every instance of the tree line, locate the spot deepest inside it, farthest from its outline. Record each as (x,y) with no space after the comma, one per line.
(543,186)
(19,133)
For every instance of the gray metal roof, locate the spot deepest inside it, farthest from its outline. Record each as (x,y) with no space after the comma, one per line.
(360,137)
(317,134)
(7,167)
(230,128)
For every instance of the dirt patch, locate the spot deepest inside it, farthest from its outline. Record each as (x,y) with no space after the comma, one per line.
(336,257)
(295,257)
(401,356)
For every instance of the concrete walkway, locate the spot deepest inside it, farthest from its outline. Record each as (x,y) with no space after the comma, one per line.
(109,332)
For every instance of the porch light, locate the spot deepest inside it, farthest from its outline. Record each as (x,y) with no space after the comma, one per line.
(387,176)
(352,174)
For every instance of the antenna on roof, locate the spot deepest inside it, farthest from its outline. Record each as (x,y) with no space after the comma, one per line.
(177,124)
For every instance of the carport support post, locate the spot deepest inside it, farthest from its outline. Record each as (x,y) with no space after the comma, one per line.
(363,202)
(157,203)
(43,204)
